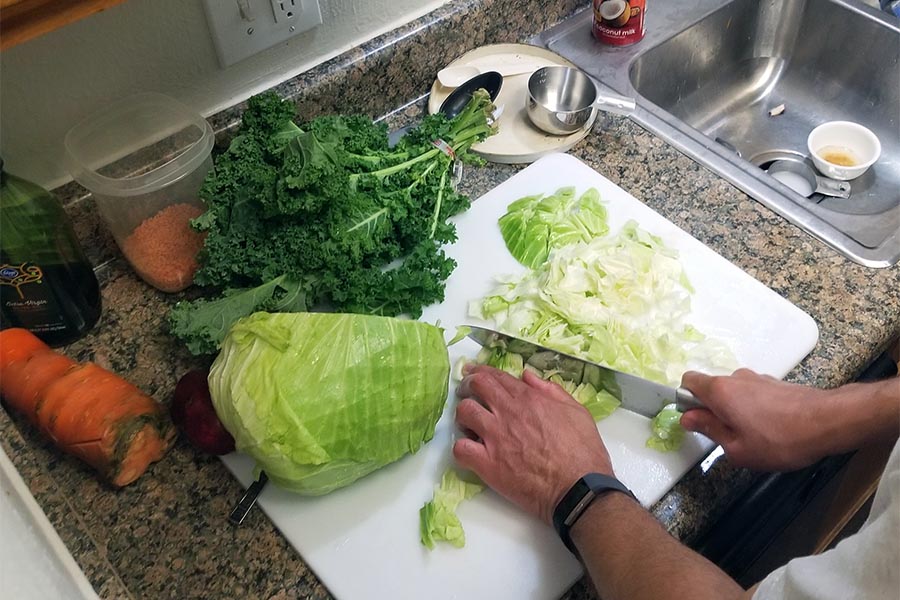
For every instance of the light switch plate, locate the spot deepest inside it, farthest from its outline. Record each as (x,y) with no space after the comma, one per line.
(241,28)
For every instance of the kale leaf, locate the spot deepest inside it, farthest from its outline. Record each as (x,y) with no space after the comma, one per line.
(328,215)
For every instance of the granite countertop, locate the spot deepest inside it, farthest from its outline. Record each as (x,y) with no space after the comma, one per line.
(167,535)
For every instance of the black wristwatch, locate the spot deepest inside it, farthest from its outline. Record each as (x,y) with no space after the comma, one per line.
(578,498)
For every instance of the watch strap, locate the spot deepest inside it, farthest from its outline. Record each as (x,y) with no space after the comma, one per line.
(578,498)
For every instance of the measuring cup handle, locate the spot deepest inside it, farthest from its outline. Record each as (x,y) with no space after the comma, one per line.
(832,187)
(612,103)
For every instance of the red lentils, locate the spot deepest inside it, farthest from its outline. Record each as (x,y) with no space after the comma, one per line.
(163,249)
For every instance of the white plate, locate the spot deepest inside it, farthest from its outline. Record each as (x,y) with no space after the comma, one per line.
(518,141)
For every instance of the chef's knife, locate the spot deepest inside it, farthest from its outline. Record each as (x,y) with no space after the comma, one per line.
(638,395)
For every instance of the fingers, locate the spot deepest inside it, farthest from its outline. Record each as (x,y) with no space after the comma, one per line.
(513,385)
(472,416)
(490,385)
(479,384)
(471,455)
(696,382)
(705,422)
(549,388)
(716,393)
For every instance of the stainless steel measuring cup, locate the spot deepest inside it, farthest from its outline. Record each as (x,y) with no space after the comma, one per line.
(562,99)
(802,178)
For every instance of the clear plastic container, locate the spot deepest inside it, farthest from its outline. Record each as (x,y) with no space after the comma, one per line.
(144,159)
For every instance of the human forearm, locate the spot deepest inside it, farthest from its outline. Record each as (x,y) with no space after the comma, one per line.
(629,555)
(857,414)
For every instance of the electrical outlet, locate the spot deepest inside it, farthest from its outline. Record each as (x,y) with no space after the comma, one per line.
(284,10)
(241,28)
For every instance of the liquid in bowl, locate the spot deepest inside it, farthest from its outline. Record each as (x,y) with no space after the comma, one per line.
(838,155)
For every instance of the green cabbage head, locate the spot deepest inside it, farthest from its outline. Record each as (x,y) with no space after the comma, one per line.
(320,399)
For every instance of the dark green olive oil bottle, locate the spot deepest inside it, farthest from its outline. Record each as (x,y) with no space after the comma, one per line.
(46,284)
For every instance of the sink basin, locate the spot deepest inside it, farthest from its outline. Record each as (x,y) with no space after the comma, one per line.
(709,72)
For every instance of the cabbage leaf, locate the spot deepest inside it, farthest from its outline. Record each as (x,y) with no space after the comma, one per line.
(437,518)
(667,431)
(320,400)
(600,403)
(534,225)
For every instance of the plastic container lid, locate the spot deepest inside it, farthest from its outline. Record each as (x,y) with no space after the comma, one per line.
(109,151)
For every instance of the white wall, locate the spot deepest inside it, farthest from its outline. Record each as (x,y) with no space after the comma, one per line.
(48,84)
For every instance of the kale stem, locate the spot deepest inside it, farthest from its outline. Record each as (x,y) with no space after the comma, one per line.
(376,160)
(469,136)
(386,172)
(437,204)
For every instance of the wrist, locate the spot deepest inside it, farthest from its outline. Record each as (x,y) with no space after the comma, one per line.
(586,491)
(563,484)
(611,507)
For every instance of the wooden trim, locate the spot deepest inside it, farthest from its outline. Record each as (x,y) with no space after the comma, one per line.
(22,20)
(850,509)
(823,521)
(856,484)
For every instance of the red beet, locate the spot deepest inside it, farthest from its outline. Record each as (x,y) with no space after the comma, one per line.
(192,411)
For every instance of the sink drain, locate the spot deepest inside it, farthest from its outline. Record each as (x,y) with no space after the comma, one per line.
(766,158)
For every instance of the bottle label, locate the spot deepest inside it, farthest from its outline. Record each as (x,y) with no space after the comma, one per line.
(23,294)
(17,276)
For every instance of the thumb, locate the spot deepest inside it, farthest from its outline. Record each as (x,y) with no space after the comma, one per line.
(705,422)
(698,383)
(714,392)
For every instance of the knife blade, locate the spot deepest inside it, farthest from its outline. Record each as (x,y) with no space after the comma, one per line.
(636,394)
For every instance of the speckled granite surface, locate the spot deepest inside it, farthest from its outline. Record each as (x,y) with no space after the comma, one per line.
(166,536)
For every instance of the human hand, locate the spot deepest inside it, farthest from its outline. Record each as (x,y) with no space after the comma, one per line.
(533,439)
(761,422)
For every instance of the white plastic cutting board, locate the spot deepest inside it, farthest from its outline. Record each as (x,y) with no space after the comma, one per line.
(34,562)
(363,541)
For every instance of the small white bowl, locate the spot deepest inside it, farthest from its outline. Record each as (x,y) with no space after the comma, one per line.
(845,139)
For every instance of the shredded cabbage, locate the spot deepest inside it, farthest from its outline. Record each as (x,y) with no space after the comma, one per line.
(600,403)
(621,301)
(437,518)
(667,430)
(618,300)
(509,362)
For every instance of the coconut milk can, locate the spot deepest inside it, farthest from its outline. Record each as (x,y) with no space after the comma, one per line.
(619,22)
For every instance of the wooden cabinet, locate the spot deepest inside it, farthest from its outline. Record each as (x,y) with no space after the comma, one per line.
(22,20)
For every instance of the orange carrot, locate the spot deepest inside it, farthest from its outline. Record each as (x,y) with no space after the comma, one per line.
(86,410)
(23,380)
(18,344)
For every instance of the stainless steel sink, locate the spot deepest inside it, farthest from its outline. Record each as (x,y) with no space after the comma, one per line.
(709,71)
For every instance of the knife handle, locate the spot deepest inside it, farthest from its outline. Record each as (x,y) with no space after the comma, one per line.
(239,513)
(685,400)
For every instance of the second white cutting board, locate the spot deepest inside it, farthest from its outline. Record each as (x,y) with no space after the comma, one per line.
(363,541)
